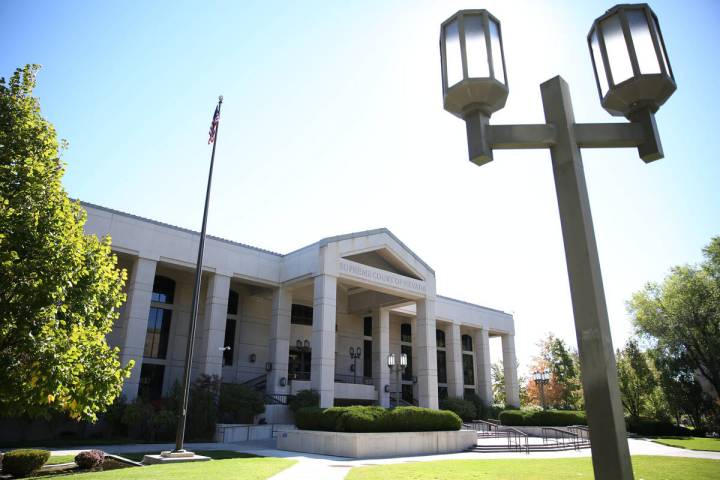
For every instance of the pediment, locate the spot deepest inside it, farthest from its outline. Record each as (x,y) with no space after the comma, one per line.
(384,259)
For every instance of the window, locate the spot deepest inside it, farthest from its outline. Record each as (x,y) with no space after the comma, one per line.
(367,359)
(407,374)
(163,289)
(469,393)
(467,343)
(229,341)
(406,333)
(441,367)
(440,338)
(158,332)
(233,302)
(468,370)
(407,393)
(442,392)
(301,315)
(367,326)
(151,381)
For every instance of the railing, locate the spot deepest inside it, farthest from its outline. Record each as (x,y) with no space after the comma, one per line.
(354,379)
(276,399)
(257,383)
(404,403)
(517,440)
(582,432)
(483,427)
(561,437)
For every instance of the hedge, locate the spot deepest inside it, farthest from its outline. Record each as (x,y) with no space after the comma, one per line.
(21,463)
(542,418)
(658,428)
(464,409)
(360,419)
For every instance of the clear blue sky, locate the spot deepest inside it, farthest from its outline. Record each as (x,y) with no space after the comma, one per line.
(333,123)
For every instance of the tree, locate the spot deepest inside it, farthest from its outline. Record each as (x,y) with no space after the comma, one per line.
(563,390)
(497,372)
(60,289)
(635,379)
(681,316)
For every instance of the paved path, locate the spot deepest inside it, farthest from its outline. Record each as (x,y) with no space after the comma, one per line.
(323,467)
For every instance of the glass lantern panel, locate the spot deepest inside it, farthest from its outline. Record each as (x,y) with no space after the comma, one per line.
(497,58)
(599,65)
(662,47)
(643,42)
(475,47)
(453,58)
(617,51)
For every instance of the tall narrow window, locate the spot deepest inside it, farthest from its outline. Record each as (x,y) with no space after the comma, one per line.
(159,317)
(151,381)
(467,343)
(408,373)
(406,333)
(367,359)
(367,326)
(441,367)
(440,338)
(230,325)
(468,369)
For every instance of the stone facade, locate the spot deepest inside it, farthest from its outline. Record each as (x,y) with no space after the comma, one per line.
(287,322)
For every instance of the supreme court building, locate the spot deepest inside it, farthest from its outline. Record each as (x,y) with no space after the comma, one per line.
(286,322)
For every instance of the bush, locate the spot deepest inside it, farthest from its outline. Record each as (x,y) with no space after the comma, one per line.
(90,459)
(239,403)
(650,427)
(304,398)
(364,419)
(542,418)
(481,409)
(20,463)
(464,409)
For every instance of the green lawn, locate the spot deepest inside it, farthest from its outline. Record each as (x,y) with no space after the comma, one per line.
(691,443)
(214,454)
(227,465)
(645,467)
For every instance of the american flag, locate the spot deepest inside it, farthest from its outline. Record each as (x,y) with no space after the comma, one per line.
(214,125)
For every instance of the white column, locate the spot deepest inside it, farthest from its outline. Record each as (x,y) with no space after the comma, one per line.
(426,354)
(322,367)
(279,347)
(137,309)
(456,384)
(215,318)
(512,389)
(483,366)
(381,350)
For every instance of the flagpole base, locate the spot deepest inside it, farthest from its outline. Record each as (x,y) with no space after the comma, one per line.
(174,456)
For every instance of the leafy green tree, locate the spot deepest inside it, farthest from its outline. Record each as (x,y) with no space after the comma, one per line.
(60,289)
(635,379)
(564,389)
(497,372)
(681,316)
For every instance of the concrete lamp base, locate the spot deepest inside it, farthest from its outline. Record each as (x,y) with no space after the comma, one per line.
(174,457)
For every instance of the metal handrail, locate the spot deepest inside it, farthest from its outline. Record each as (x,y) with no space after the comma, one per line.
(574,437)
(353,379)
(515,439)
(582,431)
(276,398)
(482,426)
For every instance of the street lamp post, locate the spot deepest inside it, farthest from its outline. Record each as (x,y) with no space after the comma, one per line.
(392,363)
(355,354)
(542,378)
(634,79)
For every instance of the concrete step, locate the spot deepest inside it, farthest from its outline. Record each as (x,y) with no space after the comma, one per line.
(532,447)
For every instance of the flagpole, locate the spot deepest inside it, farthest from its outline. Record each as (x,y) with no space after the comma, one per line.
(182,417)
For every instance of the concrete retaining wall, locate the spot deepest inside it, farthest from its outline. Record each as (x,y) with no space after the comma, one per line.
(226,432)
(375,445)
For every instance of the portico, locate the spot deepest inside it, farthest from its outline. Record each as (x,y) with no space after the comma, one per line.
(285,323)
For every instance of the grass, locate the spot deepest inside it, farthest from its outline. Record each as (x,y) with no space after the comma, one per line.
(691,443)
(226,465)
(645,467)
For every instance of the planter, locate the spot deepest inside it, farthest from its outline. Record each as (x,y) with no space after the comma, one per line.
(376,445)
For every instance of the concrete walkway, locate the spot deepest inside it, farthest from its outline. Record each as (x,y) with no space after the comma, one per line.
(323,467)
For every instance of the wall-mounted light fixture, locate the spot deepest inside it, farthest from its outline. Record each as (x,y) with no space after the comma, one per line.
(253,357)
(268,366)
(283,381)
(387,389)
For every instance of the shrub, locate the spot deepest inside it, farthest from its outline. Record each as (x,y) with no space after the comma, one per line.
(464,409)
(366,419)
(542,418)
(90,459)
(644,426)
(304,398)
(20,463)
(481,409)
(239,403)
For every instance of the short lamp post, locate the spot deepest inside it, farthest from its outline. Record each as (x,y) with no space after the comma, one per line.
(392,363)
(355,353)
(634,79)
(542,378)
